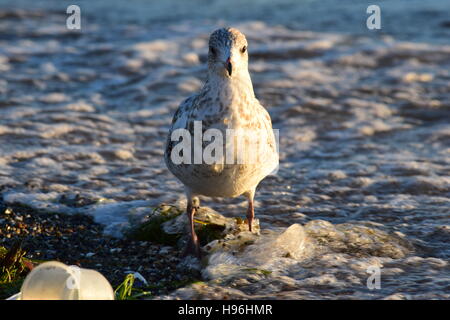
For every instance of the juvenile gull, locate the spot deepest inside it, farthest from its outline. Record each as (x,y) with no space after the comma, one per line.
(225,102)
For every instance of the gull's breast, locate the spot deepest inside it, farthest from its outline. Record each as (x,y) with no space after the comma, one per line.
(232,178)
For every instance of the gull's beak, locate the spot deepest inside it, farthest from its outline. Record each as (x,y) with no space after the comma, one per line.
(229,67)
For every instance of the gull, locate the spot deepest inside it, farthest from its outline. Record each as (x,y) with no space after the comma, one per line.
(226,103)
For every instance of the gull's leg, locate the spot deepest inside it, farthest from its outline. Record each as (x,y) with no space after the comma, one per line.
(250,210)
(193,245)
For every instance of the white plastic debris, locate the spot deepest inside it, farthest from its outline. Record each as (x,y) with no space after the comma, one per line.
(56,281)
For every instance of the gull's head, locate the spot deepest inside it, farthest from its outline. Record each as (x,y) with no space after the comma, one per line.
(227,54)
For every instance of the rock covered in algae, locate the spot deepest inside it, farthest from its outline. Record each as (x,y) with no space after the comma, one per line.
(169,225)
(211,227)
(359,240)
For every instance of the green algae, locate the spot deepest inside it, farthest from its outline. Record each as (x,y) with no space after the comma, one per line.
(13,269)
(151,230)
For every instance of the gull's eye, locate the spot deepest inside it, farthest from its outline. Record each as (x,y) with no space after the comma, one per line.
(244,48)
(212,50)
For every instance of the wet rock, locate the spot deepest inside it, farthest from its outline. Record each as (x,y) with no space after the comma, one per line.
(77,200)
(357,239)
(213,229)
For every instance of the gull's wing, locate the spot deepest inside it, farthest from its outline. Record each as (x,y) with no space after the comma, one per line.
(180,120)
